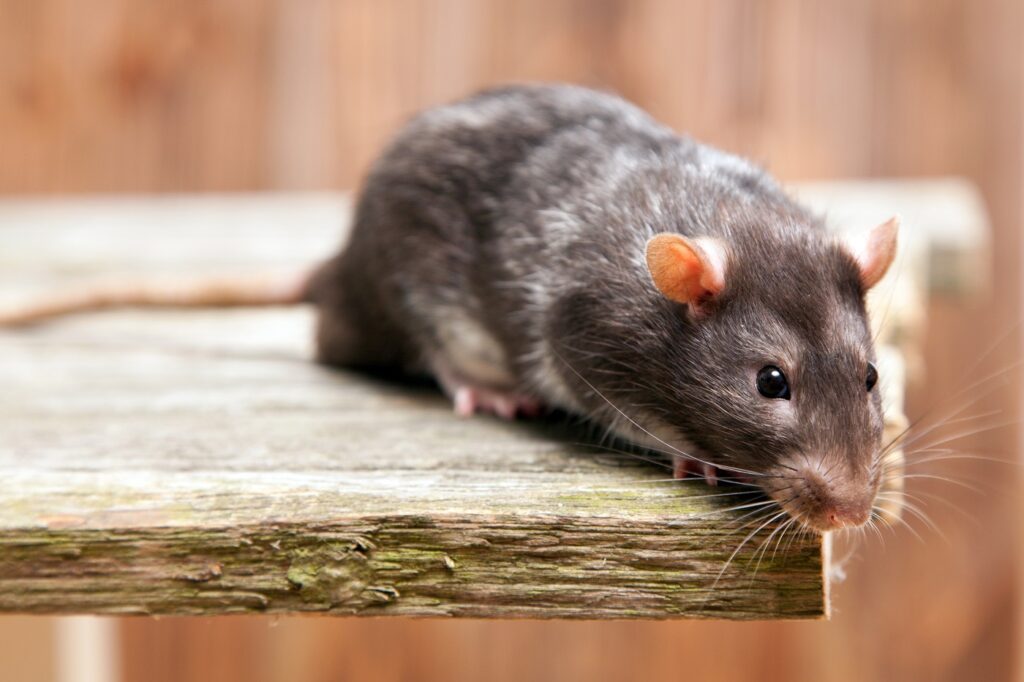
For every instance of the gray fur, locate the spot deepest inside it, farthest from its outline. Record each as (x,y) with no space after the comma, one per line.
(522,214)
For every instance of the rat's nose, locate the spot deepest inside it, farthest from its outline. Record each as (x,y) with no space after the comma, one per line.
(842,516)
(835,504)
(842,500)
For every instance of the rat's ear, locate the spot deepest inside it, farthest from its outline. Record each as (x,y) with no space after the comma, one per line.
(875,252)
(686,270)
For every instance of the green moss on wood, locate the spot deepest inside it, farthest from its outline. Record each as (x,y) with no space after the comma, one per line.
(404,565)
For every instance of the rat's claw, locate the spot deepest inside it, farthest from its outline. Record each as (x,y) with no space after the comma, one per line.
(529,407)
(681,466)
(504,407)
(507,405)
(465,401)
(684,466)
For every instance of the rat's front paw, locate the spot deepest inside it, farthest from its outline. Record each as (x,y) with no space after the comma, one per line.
(687,466)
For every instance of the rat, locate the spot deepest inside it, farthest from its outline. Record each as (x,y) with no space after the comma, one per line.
(538,247)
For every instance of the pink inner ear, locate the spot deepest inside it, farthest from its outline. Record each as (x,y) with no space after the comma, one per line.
(686,271)
(713,277)
(876,255)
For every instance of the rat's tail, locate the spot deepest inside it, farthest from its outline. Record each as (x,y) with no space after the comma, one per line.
(181,292)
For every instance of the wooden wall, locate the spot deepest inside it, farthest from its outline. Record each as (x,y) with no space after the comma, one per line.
(209,95)
(171,95)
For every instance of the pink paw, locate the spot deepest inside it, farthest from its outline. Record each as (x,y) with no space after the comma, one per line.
(468,401)
(685,466)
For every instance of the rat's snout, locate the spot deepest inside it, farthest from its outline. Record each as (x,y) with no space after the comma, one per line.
(835,504)
(830,502)
(840,514)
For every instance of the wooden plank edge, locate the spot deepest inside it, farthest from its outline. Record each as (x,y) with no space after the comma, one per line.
(576,567)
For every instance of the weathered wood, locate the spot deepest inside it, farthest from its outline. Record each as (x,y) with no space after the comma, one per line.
(198,462)
(154,465)
(173,462)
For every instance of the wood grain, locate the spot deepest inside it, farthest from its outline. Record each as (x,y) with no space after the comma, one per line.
(159,471)
(198,462)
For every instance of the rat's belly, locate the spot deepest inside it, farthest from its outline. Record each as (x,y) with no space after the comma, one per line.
(471,351)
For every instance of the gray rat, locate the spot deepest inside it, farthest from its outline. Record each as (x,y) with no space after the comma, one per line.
(550,246)
(555,246)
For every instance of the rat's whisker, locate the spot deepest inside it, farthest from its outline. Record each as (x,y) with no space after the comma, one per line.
(951,456)
(627,454)
(920,513)
(874,526)
(827,474)
(970,387)
(695,497)
(802,530)
(913,433)
(756,507)
(791,527)
(739,547)
(913,426)
(609,451)
(899,520)
(967,419)
(924,497)
(632,421)
(947,479)
(953,437)
(763,548)
(921,433)
(756,511)
(917,511)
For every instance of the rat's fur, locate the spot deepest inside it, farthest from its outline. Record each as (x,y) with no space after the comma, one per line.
(499,242)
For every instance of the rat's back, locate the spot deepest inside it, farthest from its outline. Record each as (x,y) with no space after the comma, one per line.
(481,213)
(422,252)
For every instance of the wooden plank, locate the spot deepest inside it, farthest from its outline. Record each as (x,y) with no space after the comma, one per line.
(168,462)
(151,467)
(197,462)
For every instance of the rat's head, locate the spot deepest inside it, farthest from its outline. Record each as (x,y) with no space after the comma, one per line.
(773,370)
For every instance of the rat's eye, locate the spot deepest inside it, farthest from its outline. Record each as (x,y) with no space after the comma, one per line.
(771,383)
(872,377)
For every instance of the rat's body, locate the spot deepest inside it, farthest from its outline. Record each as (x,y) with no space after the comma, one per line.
(499,245)
(508,245)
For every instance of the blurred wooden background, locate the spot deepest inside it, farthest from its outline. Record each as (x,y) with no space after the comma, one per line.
(214,95)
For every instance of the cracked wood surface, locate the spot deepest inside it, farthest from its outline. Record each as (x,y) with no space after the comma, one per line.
(198,462)
(153,465)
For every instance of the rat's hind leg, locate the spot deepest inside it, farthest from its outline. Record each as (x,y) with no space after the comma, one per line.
(468,401)
(472,368)
(469,397)
(354,329)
